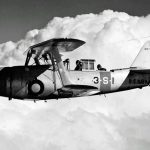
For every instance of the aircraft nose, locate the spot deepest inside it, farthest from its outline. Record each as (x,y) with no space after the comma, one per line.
(4,80)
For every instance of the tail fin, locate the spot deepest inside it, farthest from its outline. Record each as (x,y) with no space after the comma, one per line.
(142,60)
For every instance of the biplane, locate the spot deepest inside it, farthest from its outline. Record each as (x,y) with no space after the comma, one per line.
(45,75)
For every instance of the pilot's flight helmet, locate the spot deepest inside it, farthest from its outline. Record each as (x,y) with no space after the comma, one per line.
(99,66)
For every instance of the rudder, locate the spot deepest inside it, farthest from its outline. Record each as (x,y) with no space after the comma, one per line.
(142,60)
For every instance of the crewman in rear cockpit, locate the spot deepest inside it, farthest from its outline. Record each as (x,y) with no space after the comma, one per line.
(99,67)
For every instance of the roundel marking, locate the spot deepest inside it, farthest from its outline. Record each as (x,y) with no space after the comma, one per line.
(35,87)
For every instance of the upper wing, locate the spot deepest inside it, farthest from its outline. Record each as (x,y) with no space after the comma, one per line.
(62,44)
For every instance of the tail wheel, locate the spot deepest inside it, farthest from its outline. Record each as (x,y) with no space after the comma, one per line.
(35,87)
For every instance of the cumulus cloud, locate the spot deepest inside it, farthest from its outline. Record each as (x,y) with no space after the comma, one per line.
(117,121)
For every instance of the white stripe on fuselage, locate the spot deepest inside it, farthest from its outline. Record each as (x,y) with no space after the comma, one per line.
(119,77)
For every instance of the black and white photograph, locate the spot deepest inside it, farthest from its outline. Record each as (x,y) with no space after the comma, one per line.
(74,75)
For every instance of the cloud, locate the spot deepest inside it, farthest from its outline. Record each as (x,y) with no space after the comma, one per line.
(74,128)
(117,121)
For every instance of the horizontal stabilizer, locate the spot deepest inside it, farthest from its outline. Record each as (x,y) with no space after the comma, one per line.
(141,71)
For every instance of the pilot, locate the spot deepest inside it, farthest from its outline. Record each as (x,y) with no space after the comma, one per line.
(78,65)
(99,67)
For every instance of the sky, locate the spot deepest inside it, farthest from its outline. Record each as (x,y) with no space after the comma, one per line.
(18,16)
(117,121)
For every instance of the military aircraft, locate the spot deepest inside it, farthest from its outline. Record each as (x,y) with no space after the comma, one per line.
(49,78)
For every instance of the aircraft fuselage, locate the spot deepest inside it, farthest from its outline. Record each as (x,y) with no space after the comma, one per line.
(40,82)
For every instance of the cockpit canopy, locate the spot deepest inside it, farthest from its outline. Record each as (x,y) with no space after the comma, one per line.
(88,64)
